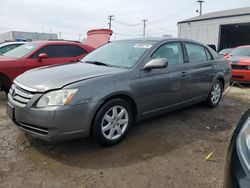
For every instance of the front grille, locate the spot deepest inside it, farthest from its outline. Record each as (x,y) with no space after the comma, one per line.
(237,76)
(20,95)
(240,67)
(32,128)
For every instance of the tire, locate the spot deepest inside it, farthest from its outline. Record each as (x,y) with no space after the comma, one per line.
(215,94)
(108,128)
(3,86)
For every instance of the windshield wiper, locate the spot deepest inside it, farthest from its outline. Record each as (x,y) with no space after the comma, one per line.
(98,63)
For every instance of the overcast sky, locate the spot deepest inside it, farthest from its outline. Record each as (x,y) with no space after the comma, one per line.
(74,17)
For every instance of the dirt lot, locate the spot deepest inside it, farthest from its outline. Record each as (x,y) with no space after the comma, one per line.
(167,151)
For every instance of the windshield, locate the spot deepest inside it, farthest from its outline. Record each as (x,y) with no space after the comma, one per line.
(21,51)
(118,54)
(244,51)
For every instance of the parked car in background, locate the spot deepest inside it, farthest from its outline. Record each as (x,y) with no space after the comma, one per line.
(36,54)
(240,60)
(114,86)
(237,171)
(7,46)
(226,51)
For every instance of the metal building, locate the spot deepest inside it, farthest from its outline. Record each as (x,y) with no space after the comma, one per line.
(224,29)
(25,36)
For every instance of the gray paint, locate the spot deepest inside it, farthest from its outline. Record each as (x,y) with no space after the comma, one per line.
(154,91)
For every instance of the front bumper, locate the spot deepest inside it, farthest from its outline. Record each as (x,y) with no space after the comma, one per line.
(241,75)
(53,123)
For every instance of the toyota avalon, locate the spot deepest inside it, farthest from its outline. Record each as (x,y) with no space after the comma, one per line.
(119,83)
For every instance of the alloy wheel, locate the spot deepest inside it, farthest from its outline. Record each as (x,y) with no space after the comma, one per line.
(115,122)
(216,93)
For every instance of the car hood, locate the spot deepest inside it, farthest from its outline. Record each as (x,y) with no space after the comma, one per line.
(237,59)
(55,77)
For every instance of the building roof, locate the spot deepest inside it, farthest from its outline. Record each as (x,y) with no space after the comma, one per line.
(220,14)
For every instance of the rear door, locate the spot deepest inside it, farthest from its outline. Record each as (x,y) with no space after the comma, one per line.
(57,54)
(201,70)
(163,88)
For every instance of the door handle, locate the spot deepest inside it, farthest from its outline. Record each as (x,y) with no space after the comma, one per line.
(212,67)
(184,74)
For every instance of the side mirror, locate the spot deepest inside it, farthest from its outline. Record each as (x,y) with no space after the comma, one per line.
(42,56)
(156,64)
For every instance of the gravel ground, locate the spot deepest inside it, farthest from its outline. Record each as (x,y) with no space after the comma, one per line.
(166,151)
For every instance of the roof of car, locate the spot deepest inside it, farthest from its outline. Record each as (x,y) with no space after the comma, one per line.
(14,42)
(63,42)
(151,39)
(56,42)
(158,40)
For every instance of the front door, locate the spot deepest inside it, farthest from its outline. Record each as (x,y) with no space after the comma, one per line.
(163,88)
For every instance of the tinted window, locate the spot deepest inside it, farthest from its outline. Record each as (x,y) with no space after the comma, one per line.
(79,51)
(171,51)
(57,51)
(196,53)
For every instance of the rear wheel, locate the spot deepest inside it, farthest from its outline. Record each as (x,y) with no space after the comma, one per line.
(112,122)
(215,94)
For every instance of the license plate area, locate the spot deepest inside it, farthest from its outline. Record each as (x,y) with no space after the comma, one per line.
(10,111)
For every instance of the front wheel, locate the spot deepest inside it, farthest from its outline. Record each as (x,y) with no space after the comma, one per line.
(215,94)
(112,122)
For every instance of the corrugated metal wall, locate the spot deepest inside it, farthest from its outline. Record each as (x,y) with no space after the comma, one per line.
(6,36)
(208,31)
(33,36)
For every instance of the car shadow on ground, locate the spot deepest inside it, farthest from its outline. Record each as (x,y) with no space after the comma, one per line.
(146,140)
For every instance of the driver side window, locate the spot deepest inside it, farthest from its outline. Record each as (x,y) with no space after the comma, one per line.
(171,51)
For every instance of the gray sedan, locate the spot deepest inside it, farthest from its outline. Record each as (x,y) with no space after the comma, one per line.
(116,85)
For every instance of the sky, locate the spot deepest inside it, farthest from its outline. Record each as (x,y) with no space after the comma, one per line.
(73,18)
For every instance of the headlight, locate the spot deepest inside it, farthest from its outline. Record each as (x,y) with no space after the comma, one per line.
(56,98)
(243,145)
(248,67)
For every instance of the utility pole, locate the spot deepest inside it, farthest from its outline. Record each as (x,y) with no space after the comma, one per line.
(144,27)
(110,17)
(200,2)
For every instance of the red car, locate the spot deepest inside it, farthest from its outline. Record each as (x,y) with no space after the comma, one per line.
(36,54)
(240,62)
